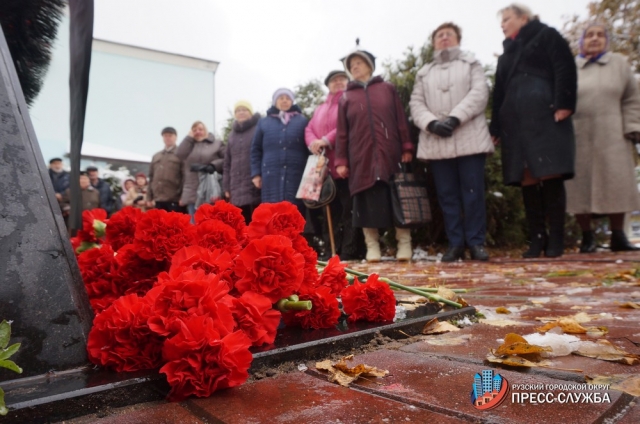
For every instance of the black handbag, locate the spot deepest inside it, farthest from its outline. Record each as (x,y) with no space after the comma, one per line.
(409,200)
(327,194)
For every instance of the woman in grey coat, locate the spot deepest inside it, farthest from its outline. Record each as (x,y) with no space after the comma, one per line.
(236,175)
(201,152)
(607,122)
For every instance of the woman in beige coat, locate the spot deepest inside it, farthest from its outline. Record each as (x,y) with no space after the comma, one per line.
(607,121)
(447,104)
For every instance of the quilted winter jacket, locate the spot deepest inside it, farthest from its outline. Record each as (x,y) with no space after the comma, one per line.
(453,84)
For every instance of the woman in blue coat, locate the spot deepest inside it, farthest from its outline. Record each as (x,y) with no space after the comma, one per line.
(278,150)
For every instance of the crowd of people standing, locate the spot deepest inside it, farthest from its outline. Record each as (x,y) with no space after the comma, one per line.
(565,126)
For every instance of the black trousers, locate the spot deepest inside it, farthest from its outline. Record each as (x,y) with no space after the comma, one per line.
(171,207)
(349,240)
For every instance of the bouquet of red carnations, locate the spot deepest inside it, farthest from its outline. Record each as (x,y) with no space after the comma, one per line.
(192,299)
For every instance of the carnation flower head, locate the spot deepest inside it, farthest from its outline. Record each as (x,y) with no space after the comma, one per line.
(227,213)
(372,301)
(215,234)
(188,293)
(199,361)
(324,313)
(160,234)
(120,338)
(254,314)
(334,276)
(281,218)
(270,266)
(122,226)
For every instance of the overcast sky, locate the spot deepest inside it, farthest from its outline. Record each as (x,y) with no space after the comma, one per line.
(266,44)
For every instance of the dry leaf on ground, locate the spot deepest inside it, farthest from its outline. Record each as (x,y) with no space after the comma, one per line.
(629,305)
(515,344)
(502,310)
(500,322)
(604,350)
(516,361)
(344,375)
(448,340)
(436,327)
(568,325)
(629,383)
(580,317)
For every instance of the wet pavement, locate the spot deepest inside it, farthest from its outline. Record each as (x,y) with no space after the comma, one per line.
(431,376)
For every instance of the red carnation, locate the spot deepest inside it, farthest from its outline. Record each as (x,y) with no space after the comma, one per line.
(218,262)
(199,361)
(133,274)
(214,234)
(159,234)
(281,218)
(324,313)
(227,213)
(190,293)
(99,304)
(93,222)
(255,316)
(122,226)
(96,263)
(310,279)
(334,276)
(371,301)
(271,267)
(120,337)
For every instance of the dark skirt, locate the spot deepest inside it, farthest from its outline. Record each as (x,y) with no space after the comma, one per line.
(372,207)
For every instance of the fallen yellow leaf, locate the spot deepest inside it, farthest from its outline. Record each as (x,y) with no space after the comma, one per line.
(436,327)
(502,310)
(344,375)
(629,305)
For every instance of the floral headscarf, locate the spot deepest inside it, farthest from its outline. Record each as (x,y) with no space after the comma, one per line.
(606,34)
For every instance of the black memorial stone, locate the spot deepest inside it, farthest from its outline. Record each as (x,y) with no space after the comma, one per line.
(41,290)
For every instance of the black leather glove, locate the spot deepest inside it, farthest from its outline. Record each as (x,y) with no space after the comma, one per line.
(440,129)
(634,137)
(453,122)
(196,167)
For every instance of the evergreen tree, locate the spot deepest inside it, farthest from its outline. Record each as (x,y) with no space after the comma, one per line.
(309,96)
(30,27)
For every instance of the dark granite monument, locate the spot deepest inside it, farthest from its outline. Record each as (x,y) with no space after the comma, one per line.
(40,286)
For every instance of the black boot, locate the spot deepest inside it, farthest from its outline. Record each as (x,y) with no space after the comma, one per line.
(620,243)
(554,199)
(453,254)
(588,244)
(532,197)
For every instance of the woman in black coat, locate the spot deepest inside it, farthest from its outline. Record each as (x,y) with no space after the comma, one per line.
(533,99)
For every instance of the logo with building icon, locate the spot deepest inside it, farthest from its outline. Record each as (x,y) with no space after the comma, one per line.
(489,390)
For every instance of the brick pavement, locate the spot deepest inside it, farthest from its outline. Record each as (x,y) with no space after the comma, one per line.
(431,376)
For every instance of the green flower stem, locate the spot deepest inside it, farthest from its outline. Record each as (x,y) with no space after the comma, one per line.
(285,305)
(393,284)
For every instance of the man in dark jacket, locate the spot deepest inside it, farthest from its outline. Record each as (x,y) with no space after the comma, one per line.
(59,177)
(166,174)
(106,199)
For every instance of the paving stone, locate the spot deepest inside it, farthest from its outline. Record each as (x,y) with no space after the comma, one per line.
(446,385)
(153,412)
(300,398)
(632,415)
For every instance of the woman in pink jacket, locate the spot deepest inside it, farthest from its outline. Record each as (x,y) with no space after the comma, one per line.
(320,135)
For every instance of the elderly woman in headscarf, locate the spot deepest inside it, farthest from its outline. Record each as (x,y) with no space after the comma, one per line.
(607,122)
(533,99)
(278,150)
(372,139)
(447,104)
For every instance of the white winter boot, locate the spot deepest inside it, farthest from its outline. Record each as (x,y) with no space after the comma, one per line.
(372,239)
(405,252)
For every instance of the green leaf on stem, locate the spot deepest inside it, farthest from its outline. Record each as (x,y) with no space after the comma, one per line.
(8,352)
(5,333)
(3,408)
(10,365)
(99,228)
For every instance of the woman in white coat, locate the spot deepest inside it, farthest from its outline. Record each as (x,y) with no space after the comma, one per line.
(447,104)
